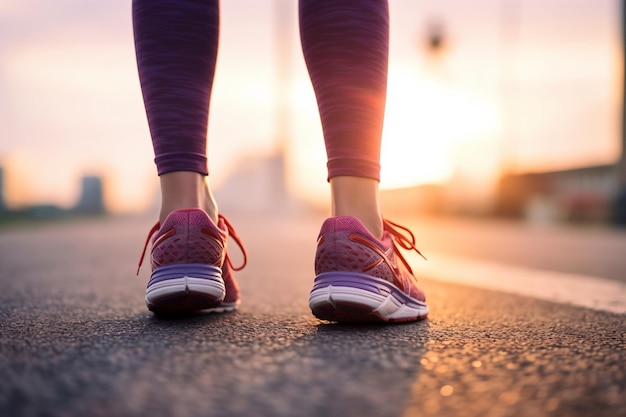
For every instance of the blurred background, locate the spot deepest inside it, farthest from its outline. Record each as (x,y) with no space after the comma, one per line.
(495,108)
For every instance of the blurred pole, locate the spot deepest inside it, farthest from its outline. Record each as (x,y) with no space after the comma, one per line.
(623,155)
(283,38)
(509,33)
(619,205)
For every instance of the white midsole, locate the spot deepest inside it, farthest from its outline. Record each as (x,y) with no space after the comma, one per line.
(386,305)
(178,285)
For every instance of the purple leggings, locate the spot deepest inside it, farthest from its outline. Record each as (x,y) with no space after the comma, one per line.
(345,45)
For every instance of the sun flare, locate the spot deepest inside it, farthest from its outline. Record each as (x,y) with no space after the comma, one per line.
(425,122)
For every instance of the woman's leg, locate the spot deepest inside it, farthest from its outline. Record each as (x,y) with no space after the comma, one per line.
(345,45)
(176,43)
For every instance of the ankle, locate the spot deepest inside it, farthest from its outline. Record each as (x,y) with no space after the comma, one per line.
(358,197)
(183,190)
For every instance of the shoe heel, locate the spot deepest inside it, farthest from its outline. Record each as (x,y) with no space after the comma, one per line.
(356,297)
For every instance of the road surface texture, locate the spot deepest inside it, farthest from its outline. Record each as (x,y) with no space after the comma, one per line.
(77,340)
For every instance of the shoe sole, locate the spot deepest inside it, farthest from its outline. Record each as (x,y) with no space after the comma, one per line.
(187,288)
(355,297)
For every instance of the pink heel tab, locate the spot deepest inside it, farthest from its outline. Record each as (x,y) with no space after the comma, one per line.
(346,223)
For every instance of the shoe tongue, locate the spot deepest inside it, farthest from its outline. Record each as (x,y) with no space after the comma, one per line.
(348,223)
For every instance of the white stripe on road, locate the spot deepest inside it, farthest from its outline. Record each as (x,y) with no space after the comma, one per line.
(586,291)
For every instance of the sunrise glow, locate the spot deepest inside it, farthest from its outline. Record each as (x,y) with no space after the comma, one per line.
(426,121)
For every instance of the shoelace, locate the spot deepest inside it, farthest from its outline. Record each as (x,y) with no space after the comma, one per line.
(404,238)
(231,233)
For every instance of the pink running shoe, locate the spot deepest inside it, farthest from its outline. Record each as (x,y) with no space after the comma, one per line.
(360,278)
(191,270)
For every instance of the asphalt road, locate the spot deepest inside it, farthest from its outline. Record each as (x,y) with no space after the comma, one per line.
(77,340)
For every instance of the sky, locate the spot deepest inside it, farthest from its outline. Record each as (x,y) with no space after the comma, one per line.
(518,85)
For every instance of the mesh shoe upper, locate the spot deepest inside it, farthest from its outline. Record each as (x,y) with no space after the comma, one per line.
(345,244)
(189,236)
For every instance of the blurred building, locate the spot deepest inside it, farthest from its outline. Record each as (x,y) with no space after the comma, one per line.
(593,193)
(91,199)
(583,194)
(91,202)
